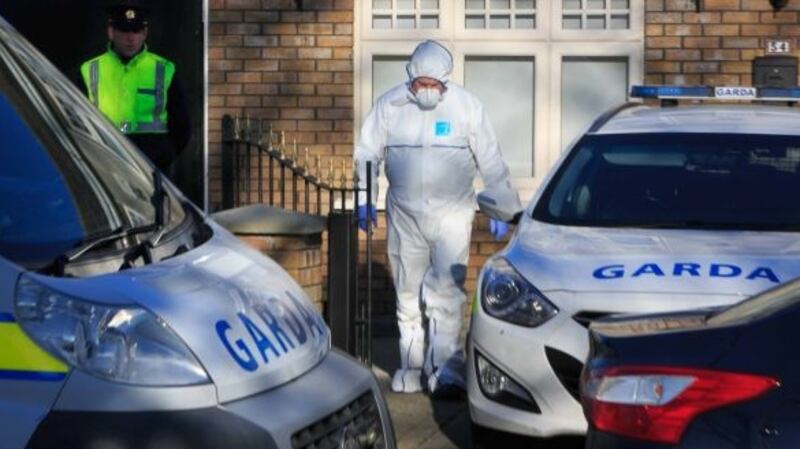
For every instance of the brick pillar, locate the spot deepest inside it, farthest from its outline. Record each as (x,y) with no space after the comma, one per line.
(270,60)
(716,46)
(300,256)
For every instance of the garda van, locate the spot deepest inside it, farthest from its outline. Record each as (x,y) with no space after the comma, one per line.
(130,320)
(653,209)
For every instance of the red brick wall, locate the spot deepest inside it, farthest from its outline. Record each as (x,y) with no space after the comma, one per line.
(272,61)
(300,256)
(715,46)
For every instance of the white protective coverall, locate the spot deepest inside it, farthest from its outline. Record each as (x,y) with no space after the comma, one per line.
(431,157)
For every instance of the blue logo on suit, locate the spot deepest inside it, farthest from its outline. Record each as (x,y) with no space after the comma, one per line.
(442,129)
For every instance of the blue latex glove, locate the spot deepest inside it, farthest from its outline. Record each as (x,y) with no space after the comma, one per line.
(362,217)
(498,228)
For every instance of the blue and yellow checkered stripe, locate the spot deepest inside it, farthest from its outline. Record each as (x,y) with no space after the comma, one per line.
(22,359)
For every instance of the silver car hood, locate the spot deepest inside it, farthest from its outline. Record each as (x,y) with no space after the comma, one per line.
(700,262)
(246,320)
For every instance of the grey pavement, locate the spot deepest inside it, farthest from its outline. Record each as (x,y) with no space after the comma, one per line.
(421,422)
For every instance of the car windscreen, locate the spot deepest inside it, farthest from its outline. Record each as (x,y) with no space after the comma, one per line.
(66,176)
(671,180)
(39,215)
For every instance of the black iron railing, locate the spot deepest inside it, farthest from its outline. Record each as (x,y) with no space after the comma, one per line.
(258,167)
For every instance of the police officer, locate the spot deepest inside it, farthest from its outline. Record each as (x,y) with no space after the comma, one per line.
(137,90)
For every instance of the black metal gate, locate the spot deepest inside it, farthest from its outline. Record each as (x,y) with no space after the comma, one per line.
(258,167)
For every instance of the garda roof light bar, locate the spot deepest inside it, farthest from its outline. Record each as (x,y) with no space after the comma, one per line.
(791,94)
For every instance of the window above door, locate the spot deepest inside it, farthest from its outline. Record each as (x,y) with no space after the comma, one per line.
(618,20)
(595,14)
(405,15)
(503,19)
(405,19)
(500,14)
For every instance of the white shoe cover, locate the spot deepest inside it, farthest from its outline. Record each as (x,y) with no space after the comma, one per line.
(407,381)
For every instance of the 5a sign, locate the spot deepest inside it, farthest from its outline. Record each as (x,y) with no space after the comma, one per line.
(778,47)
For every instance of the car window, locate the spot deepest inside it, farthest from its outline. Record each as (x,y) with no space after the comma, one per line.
(724,181)
(67,175)
(761,306)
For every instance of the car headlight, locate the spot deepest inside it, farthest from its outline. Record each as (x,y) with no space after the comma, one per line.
(508,296)
(123,344)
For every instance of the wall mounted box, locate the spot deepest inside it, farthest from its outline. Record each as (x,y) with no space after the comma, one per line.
(775,71)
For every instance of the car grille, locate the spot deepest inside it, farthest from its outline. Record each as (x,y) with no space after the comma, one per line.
(568,370)
(357,426)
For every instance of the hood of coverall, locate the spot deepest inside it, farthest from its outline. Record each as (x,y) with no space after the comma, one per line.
(430,59)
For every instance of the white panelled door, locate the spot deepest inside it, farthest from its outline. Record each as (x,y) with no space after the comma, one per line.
(544,69)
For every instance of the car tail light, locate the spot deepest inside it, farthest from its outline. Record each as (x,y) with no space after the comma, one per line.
(657,403)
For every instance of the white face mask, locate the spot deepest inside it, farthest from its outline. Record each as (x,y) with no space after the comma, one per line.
(428,98)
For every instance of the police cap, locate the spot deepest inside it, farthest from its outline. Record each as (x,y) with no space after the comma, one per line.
(128,15)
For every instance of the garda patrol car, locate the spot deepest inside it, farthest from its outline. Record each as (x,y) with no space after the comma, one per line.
(130,320)
(652,210)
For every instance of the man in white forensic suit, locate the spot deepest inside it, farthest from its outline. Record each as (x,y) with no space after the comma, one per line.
(433,137)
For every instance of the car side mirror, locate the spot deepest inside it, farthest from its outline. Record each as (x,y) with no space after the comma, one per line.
(501,204)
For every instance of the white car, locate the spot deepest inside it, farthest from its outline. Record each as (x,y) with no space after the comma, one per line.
(654,209)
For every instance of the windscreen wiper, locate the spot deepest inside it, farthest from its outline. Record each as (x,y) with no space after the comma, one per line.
(157,229)
(160,203)
(60,262)
(144,250)
(116,234)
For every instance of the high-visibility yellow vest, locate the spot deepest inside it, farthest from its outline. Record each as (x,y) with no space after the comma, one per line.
(134,95)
